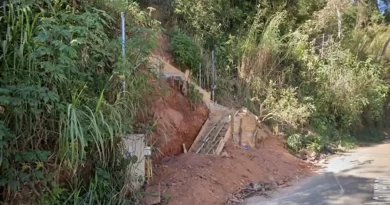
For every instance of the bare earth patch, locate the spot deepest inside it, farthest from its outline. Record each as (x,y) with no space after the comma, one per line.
(207,179)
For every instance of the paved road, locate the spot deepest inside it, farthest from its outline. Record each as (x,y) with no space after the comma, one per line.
(359,177)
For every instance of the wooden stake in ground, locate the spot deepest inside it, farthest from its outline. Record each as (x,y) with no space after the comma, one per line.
(200,74)
(240,132)
(255,136)
(186,82)
(213,86)
(232,125)
(184,148)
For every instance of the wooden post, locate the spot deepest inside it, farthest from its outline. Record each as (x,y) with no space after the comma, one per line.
(339,18)
(213,75)
(240,132)
(232,125)
(186,84)
(255,136)
(322,45)
(200,74)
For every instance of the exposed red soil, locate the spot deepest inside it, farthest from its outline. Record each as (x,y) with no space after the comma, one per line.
(162,49)
(208,179)
(176,122)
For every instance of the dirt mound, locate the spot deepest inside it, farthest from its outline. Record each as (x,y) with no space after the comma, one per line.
(175,121)
(206,179)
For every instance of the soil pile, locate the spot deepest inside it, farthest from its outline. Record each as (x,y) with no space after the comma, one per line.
(208,179)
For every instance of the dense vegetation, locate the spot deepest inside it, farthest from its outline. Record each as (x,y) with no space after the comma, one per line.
(62,110)
(316,70)
(313,69)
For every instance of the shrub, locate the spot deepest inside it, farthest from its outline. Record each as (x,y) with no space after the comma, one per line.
(185,51)
(295,142)
(343,87)
(61,102)
(283,105)
(313,142)
(194,96)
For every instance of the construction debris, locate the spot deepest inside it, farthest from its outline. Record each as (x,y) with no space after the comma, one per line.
(253,189)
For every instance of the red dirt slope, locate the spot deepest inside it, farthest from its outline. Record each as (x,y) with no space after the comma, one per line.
(206,179)
(176,122)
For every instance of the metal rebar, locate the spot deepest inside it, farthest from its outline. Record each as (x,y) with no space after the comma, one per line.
(213,145)
(218,131)
(207,135)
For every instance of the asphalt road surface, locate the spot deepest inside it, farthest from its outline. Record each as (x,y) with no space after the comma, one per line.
(361,176)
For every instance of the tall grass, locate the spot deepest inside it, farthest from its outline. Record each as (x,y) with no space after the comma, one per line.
(63,112)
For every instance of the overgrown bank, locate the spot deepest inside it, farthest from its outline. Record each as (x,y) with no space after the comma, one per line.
(315,70)
(62,108)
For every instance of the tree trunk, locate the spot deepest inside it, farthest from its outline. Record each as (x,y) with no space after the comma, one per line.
(385,47)
(376,5)
(362,15)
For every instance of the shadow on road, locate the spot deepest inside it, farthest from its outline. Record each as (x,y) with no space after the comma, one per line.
(348,179)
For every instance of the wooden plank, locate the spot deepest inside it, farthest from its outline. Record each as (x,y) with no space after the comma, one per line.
(200,134)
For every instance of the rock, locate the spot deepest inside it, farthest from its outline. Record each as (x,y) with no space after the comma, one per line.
(281,182)
(341,148)
(328,150)
(234,199)
(313,156)
(151,200)
(225,155)
(153,196)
